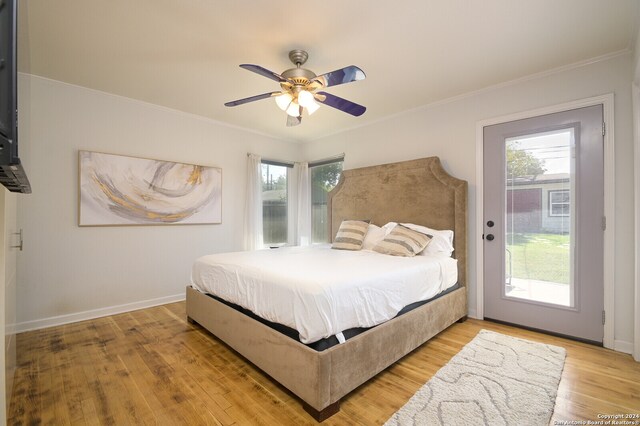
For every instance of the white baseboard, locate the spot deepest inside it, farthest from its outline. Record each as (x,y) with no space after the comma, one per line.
(472,313)
(618,345)
(95,313)
(622,346)
(9,329)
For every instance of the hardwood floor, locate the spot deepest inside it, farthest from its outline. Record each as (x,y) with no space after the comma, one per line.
(152,367)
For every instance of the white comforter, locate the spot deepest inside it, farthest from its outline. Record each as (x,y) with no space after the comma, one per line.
(319,291)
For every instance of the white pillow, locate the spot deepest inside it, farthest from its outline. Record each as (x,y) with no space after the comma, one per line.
(389,226)
(375,234)
(441,242)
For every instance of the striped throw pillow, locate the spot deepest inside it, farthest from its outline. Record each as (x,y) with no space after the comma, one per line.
(350,235)
(402,241)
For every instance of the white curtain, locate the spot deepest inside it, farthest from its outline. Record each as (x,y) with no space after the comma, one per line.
(253,208)
(303,201)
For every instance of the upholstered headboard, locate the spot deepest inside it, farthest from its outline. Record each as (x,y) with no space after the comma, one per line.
(416,191)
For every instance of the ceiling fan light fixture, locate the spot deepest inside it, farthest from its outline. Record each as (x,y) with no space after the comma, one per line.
(305,98)
(312,107)
(293,109)
(299,88)
(284,100)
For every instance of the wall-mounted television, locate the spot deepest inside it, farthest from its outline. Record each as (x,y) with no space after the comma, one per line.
(12,174)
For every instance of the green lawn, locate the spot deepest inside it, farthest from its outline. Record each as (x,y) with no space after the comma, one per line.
(542,257)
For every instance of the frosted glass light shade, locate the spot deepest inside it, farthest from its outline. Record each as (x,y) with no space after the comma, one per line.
(312,107)
(305,98)
(294,109)
(283,101)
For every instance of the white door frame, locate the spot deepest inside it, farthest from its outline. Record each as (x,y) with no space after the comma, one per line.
(636,167)
(609,201)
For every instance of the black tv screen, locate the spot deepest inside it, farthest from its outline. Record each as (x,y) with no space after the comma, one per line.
(12,174)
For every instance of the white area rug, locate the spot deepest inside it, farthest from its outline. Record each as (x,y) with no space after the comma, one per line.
(494,380)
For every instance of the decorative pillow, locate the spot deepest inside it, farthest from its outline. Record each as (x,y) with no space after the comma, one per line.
(402,241)
(441,241)
(375,234)
(351,235)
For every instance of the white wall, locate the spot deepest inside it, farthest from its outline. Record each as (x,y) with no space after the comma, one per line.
(636,145)
(65,269)
(448,130)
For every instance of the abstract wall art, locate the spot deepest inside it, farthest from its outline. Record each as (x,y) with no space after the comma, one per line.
(122,190)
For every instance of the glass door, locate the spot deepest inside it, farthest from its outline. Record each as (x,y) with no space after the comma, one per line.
(540,177)
(543,216)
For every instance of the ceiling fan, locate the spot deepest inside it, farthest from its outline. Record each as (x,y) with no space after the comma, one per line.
(300,88)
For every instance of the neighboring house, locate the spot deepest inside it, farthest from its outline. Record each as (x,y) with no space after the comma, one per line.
(540,204)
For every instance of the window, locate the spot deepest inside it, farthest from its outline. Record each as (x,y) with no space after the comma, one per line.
(274,202)
(559,203)
(324,177)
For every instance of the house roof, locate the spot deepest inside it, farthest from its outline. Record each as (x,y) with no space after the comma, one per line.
(541,179)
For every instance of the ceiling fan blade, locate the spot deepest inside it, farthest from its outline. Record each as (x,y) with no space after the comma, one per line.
(263,72)
(340,103)
(251,99)
(293,121)
(341,76)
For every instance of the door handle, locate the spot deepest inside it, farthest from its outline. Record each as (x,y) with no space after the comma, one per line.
(20,242)
(490,237)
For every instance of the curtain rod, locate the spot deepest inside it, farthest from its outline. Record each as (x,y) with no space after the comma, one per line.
(327,160)
(273,162)
(291,163)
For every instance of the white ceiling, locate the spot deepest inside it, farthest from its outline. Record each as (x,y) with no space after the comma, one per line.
(184,54)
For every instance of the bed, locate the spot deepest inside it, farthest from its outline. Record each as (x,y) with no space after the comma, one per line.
(417,191)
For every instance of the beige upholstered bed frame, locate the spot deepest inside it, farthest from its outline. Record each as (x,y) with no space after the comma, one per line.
(418,191)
